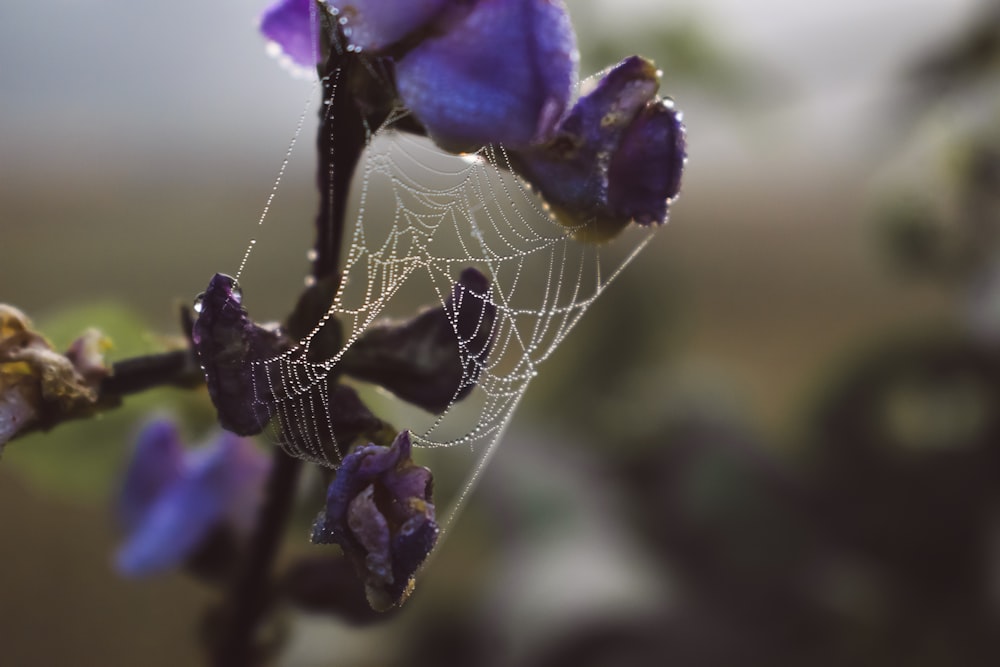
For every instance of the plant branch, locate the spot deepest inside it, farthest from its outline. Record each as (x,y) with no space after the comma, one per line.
(343,134)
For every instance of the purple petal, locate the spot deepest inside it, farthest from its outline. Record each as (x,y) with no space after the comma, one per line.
(645,171)
(157,463)
(371,529)
(244,470)
(374,25)
(294,26)
(174,526)
(501,73)
(379,511)
(594,172)
(222,482)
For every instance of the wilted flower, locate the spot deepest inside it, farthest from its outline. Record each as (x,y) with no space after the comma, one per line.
(172,499)
(379,509)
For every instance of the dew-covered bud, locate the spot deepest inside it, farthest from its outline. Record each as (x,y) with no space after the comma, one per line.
(615,158)
(379,509)
(230,346)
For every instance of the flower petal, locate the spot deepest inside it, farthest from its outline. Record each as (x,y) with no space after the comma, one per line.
(379,511)
(220,483)
(293,26)
(645,172)
(617,155)
(502,71)
(156,464)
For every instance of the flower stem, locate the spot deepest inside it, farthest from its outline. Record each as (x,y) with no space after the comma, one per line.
(249,596)
(343,134)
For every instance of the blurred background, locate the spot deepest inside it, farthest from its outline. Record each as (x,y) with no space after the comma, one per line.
(775,441)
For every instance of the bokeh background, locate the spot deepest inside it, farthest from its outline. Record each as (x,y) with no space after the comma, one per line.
(773,442)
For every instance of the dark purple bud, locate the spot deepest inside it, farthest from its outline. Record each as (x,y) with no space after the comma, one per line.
(172,501)
(437,357)
(616,157)
(645,171)
(495,71)
(379,509)
(231,347)
(374,25)
(293,25)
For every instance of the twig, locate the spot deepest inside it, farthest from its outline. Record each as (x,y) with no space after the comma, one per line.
(343,134)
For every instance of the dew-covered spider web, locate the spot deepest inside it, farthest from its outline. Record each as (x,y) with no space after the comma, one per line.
(418,218)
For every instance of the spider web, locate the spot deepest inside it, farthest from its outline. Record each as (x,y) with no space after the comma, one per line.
(420,218)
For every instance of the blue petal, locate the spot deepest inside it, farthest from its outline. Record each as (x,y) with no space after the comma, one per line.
(502,73)
(174,527)
(156,464)
(379,510)
(645,171)
(616,157)
(294,26)
(219,483)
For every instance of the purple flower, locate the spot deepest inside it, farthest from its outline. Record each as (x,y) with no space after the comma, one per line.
(484,72)
(502,71)
(293,26)
(473,73)
(379,510)
(617,157)
(172,499)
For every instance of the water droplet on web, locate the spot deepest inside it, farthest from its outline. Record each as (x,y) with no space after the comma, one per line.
(312,255)
(309,281)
